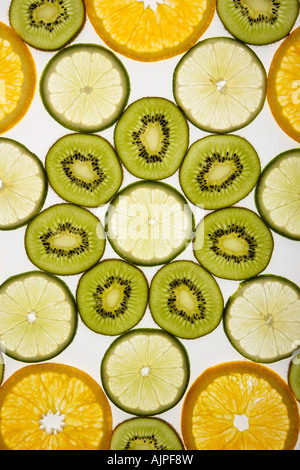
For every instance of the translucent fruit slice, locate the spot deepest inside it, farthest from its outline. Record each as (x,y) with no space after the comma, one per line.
(240,405)
(1,368)
(149,223)
(23,184)
(145,371)
(294,375)
(220,84)
(85,87)
(262,318)
(283,90)
(150,30)
(277,194)
(38,316)
(17,78)
(58,407)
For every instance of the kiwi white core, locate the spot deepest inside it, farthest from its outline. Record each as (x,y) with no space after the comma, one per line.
(258,6)
(47,12)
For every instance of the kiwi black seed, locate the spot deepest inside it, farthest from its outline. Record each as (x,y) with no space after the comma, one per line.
(112,297)
(233,243)
(83,169)
(258,23)
(145,434)
(65,239)
(47,24)
(219,170)
(152,138)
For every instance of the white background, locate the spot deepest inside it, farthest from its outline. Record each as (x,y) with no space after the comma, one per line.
(38,131)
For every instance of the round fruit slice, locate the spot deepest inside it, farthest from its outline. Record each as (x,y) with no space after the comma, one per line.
(262,318)
(240,406)
(65,239)
(145,371)
(220,84)
(1,368)
(145,434)
(17,78)
(258,22)
(233,243)
(152,138)
(277,194)
(83,169)
(48,24)
(38,316)
(219,170)
(58,407)
(150,30)
(294,376)
(185,300)
(85,87)
(283,90)
(112,297)
(23,184)
(149,223)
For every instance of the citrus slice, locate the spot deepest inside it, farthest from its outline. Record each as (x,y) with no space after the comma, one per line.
(240,405)
(53,407)
(283,90)
(23,184)
(277,194)
(17,78)
(85,87)
(294,375)
(149,223)
(150,30)
(262,318)
(38,316)
(1,368)
(145,371)
(220,84)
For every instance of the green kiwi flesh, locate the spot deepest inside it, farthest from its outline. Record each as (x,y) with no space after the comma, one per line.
(258,22)
(294,375)
(152,138)
(219,170)
(152,434)
(185,300)
(112,297)
(83,169)
(233,243)
(47,24)
(65,239)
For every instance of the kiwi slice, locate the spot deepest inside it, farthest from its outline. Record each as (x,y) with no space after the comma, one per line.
(65,239)
(83,169)
(112,297)
(258,21)
(185,300)
(47,24)
(233,243)
(152,434)
(219,170)
(151,138)
(294,375)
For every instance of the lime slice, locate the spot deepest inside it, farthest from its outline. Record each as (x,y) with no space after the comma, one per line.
(38,317)
(220,84)
(145,371)
(85,87)
(149,223)
(23,186)
(294,375)
(262,318)
(277,194)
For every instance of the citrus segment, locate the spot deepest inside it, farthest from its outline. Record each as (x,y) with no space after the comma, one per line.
(283,90)
(17,78)
(53,407)
(148,30)
(240,406)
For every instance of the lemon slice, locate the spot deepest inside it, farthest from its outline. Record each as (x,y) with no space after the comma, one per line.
(85,87)
(145,371)
(220,84)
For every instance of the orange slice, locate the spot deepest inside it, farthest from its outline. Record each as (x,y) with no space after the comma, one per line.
(53,407)
(240,405)
(17,78)
(283,90)
(150,30)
